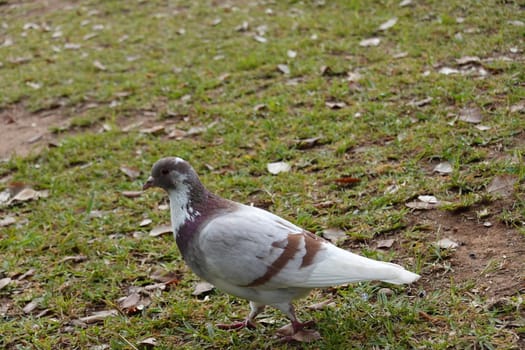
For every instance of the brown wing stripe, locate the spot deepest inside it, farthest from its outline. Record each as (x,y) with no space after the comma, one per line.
(312,245)
(294,241)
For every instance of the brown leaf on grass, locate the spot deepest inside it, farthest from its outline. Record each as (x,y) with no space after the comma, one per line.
(98,65)
(420,103)
(322,305)
(132,194)
(385,243)
(19,192)
(172,277)
(308,143)
(160,230)
(518,107)
(335,104)
(133,303)
(426,202)
(283,68)
(202,288)
(260,107)
(149,342)
(471,115)
(130,172)
(98,316)
(278,167)
(346,181)
(443,168)
(74,258)
(154,130)
(145,222)
(446,243)
(26,274)
(4,282)
(468,60)
(502,185)
(334,234)
(32,305)
(388,24)
(6,221)
(302,336)
(370,42)
(177,134)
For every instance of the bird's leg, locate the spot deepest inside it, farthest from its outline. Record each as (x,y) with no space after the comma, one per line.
(289,311)
(249,322)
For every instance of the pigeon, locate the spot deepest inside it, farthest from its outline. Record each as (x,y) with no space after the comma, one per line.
(253,254)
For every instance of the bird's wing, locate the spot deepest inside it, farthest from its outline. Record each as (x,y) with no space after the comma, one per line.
(251,247)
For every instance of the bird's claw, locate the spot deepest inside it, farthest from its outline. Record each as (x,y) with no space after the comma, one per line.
(238,325)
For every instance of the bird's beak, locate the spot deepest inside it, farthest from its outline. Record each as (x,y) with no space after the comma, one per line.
(148,183)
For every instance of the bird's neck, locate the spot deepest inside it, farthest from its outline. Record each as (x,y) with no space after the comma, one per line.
(182,207)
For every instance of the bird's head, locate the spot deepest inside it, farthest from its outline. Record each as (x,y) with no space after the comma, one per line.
(170,173)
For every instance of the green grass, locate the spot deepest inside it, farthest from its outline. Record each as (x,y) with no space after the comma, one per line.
(379,138)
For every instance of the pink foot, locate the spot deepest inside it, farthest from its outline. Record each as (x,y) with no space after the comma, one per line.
(237,325)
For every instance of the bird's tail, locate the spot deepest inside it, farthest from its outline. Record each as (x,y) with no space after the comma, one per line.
(340,266)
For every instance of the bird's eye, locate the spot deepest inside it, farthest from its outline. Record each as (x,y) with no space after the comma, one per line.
(164,171)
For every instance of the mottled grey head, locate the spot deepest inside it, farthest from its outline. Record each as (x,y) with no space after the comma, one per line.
(169,173)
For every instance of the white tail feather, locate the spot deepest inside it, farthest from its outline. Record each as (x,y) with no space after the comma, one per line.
(341,266)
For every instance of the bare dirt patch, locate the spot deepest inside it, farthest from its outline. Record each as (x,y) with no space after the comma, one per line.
(23,131)
(491,257)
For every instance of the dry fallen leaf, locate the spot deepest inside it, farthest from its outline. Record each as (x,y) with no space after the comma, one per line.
(99,65)
(448,71)
(335,105)
(19,193)
(133,303)
(385,243)
(428,199)
(468,60)
(154,130)
(471,115)
(160,230)
(149,342)
(346,180)
(443,168)
(502,185)
(321,305)
(334,234)
(388,24)
(260,39)
(130,172)
(4,282)
(202,288)
(98,316)
(132,194)
(446,243)
(32,305)
(166,277)
(302,336)
(278,167)
(145,222)
(420,103)
(283,68)
(6,221)
(74,258)
(307,143)
(370,42)
(26,274)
